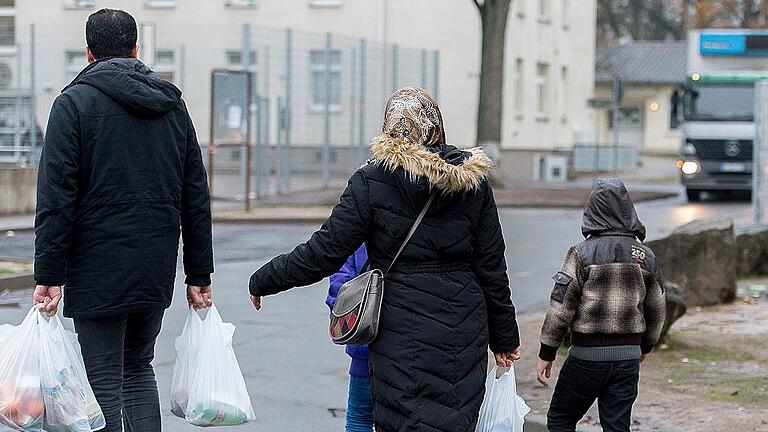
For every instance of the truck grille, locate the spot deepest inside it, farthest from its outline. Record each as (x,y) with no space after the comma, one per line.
(736,150)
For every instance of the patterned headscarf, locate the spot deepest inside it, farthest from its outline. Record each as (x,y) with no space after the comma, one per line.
(413,115)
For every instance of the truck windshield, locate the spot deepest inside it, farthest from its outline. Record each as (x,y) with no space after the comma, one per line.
(726,102)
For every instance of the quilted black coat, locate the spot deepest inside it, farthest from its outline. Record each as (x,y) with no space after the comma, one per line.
(446,299)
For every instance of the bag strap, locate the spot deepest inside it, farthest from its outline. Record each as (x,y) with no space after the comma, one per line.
(413,230)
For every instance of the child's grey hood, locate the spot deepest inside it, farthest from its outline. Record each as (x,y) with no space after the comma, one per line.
(610,210)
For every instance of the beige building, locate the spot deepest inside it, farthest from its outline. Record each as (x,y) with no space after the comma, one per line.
(651,73)
(549,61)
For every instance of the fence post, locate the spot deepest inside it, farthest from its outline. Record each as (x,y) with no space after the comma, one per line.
(424,69)
(288,106)
(395,55)
(352,95)
(17,130)
(436,89)
(32,97)
(361,108)
(246,64)
(279,160)
(182,65)
(257,145)
(759,147)
(327,113)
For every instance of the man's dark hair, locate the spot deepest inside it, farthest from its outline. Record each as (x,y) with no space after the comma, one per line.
(111,33)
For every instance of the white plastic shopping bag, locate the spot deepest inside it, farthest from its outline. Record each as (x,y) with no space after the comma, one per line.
(208,388)
(502,410)
(43,384)
(70,405)
(21,397)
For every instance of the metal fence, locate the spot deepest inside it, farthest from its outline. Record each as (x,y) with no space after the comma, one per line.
(317,100)
(20,136)
(604,158)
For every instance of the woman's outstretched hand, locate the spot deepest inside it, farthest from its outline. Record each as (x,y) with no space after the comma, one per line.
(505,359)
(256,300)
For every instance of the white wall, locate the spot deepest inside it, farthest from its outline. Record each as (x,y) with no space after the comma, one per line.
(206,28)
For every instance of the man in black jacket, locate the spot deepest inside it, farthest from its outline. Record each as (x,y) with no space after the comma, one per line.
(121,177)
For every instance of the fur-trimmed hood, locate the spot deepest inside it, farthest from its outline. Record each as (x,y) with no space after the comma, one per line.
(449,170)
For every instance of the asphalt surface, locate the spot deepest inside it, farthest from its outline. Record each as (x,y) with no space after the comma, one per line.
(296,377)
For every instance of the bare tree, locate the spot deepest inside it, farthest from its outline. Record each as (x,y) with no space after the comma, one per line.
(493,17)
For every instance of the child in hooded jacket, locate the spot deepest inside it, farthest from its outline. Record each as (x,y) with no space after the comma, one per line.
(609,294)
(359,404)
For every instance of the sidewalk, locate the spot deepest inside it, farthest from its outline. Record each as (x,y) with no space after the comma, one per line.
(693,383)
(315,206)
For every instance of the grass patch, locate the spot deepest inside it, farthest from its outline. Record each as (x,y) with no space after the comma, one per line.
(744,391)
(6,272)
(705,353)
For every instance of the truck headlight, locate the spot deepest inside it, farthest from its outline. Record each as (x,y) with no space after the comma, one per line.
(689,167)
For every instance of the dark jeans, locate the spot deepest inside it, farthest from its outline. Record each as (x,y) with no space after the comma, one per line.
(360,405)
(118,351)
(613,384)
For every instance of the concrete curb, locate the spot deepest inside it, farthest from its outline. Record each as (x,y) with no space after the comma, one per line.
(17,282)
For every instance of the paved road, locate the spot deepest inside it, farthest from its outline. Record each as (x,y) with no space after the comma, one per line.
(296,377)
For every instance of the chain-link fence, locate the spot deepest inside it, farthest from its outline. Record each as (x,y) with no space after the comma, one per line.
(316,101)
(20,135)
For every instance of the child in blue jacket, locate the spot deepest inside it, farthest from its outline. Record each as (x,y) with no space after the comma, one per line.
(359,405)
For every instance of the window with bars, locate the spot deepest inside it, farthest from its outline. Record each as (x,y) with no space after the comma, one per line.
(319,79)
(7,31)
(542,89)
(565,100)
(235,59)
(519,79)
(165,64)
(75,62)
(544,12)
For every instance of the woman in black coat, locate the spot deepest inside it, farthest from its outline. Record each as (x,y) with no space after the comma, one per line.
(447,298)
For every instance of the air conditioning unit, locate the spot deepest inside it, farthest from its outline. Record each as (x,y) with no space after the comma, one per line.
(550,168)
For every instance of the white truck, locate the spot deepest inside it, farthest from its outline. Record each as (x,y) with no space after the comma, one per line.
(718,109)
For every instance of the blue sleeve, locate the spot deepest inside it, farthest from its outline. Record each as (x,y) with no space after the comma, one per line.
(351,268)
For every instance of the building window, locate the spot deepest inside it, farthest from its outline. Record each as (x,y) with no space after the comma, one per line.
(240,4)
(317,64)
(160,4)
(79,4)
(75,62)
(326,3)
(522,8)
(566,14)
(542,89)
(544,12)
(165,65)
(519,79)
(564,95)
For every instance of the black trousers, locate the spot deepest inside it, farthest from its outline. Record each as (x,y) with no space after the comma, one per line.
(118,352)
(613,384)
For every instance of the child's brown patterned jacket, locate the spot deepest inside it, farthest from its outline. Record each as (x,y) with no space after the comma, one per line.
(608,291)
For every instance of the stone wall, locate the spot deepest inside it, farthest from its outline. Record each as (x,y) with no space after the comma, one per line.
(17,190)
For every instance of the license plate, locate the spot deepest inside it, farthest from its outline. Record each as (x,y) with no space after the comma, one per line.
(733,167)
